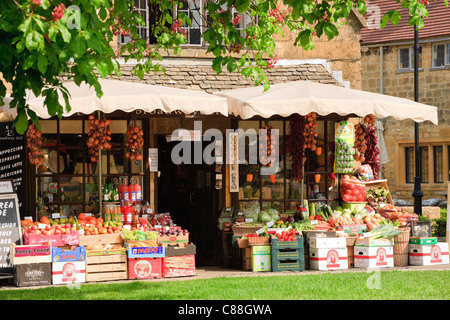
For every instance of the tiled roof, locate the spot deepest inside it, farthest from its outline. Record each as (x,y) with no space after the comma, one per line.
(202,77)
(437,24)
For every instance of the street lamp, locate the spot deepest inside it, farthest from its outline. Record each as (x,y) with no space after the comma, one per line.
(417,193)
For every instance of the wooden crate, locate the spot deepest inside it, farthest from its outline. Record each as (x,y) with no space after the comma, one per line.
(102,239)
(379,183)
(106,267)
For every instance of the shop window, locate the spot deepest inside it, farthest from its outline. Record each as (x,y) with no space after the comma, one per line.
(68,181)
(406,58)
(140,7)
(438,166)
(192,9)
(439,52)
(434,161)
(280,191)
(410,164)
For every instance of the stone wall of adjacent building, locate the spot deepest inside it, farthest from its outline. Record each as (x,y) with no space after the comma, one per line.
(434,89)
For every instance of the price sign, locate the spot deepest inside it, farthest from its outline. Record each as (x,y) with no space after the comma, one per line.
(10,229)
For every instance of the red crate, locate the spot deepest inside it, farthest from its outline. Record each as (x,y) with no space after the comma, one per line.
(144,268)
(178,266)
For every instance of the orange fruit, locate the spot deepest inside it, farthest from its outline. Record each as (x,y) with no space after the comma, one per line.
(81,216)
(45,220)
(99,220)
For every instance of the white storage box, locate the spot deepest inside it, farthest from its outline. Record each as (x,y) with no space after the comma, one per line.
(68,272)
(328,243)
(373,257)
(328,259)
(428,254)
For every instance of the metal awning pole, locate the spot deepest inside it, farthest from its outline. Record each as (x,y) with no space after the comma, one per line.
(100,195)
(417,193)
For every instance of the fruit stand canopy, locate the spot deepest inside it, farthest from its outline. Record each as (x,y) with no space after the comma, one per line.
(303,97)
(129,97)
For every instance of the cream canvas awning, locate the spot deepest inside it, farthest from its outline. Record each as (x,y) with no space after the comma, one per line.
(303,97)
(131,96)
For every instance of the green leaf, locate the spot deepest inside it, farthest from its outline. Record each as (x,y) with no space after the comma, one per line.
(232,65)
(331,31)
(65,33)
(217,64)
(42,63)
(25,26)
(21,121)
(103,69)
(52,32)
(242,5)
(30,41)
(29,61)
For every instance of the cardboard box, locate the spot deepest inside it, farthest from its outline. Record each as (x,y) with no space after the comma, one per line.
(107,250)
(178,266)
(369,242)
(26,254)
(145,252)
(247,264)
(68,254)
(68,272)
(373,257)
(242,243)
(315,233)
(327,243)
(174,240)
(427,255)
(33,274)
(57,240)
(423,240)
(173,251)
(328,258)
(354,228)
(144,268)
(261,258)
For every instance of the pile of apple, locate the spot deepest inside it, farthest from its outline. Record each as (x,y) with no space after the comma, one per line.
(50,230)
(108,227)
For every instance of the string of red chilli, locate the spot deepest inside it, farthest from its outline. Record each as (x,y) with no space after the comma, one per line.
(372,152)
(296,143)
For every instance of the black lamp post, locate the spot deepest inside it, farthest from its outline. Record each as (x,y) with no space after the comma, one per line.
(417,193)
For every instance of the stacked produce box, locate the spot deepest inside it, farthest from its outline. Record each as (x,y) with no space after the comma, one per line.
(32,264)
(87,249)
(287,254)
(326,253)
(427,251)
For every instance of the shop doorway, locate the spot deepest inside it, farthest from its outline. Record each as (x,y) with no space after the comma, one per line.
(188,192)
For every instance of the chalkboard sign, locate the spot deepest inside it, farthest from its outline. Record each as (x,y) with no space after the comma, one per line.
(10,229)
(12,160)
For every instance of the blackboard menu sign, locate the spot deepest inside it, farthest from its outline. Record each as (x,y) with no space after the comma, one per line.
(10,230)
(12,160)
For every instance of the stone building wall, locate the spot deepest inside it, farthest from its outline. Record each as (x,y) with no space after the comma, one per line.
(434,89)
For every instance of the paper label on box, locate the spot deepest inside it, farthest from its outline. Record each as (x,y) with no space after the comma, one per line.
(333,259)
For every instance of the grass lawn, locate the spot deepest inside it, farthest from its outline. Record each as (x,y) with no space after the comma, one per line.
(381,285)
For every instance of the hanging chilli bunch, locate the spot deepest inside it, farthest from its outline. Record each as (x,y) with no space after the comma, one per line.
(135,143)
(34,144)
(371,155)
(296,143)
(271,147)
(310,141)
(99,137)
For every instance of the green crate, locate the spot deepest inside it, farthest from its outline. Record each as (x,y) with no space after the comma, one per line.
(287,254)
(288,265)
(277,244)
(423,241)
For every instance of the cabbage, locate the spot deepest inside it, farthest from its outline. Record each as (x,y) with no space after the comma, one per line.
(264,216)
(252,212)
(274,214)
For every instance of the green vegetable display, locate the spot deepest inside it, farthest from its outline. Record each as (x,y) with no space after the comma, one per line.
(139,235)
